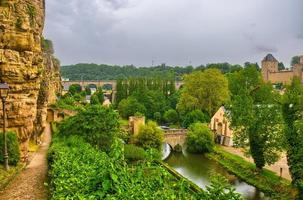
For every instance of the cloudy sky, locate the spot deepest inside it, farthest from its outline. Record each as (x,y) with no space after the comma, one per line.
(175,32)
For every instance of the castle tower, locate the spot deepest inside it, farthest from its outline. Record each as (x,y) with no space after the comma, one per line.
(269,65)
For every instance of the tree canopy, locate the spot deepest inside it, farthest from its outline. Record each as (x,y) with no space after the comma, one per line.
(199,138)
(256,116)
(293,116)
(92,71)
(205,90)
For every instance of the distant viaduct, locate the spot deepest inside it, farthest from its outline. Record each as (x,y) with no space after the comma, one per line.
(102,83)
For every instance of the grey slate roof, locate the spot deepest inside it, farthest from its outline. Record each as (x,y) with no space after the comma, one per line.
(270,57)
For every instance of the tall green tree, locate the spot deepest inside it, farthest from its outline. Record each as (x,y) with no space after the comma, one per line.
(256,116)
(129,107)
(281,66)
(171,116)
(293,115)
(74,88)
(193,117)
(295,60)
(205,90)
(98,125)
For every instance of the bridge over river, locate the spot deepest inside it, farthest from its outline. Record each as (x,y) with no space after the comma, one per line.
(175,138)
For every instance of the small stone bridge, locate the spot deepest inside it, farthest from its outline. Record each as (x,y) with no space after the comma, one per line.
(175,138)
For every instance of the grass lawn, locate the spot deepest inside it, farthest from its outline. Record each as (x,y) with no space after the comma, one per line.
(7,176)
(123,122)
(267,181)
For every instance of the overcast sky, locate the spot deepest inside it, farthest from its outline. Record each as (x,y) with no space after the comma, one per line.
(175,32)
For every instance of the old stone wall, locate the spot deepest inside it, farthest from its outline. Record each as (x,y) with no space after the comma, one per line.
(22,65)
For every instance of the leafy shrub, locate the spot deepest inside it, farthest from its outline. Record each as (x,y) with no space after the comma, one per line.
(128,107)
(199,139)
(134,153)
(12,148)
(171,116)
(157,117)
(150,136)
(79,171)
(75,88)
(220,189)
(98,125)
(193,117)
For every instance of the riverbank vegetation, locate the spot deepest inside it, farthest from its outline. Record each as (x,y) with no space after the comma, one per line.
(266,181)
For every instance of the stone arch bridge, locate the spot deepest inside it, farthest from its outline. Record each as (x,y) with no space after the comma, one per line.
(175,138)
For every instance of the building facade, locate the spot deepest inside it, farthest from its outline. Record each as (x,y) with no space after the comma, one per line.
(221,127)
(272,74)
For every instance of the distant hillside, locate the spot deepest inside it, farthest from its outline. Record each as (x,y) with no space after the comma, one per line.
(107,72)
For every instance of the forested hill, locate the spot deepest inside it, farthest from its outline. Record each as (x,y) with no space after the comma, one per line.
(109,72)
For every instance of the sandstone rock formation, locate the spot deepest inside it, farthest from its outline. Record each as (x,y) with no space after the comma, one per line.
(50,86)
(23,66)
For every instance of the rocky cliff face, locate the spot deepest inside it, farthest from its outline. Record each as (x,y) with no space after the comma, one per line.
(50,85)
(23,65)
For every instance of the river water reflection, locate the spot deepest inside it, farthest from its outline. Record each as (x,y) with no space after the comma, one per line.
(199,168)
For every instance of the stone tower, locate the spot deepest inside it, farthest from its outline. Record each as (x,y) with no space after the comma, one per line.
(269,64)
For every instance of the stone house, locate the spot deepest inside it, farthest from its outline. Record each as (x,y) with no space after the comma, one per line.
(220,125)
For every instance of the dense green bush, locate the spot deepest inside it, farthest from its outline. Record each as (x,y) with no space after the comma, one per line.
(150,136)
(98,125)
(220,189)
(75,88)
(134,153)
(79,171)
(199,139)
(171,116)
(12,147)
(128,107)
(193,117)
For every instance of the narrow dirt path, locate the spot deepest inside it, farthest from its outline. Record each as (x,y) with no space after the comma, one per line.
(29,185)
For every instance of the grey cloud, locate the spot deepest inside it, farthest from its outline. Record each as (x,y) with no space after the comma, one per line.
(173,31)
(117,4)
(265,49)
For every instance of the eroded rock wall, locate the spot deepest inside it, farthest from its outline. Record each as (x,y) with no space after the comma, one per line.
(22,64)
(50,86)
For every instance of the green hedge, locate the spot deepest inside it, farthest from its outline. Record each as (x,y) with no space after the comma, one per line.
(12,147)
(134,153)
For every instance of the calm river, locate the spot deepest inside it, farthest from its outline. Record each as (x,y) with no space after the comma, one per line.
(199,168)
